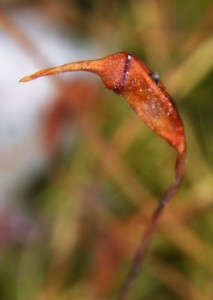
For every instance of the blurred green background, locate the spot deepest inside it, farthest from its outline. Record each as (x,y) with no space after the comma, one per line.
(84,215)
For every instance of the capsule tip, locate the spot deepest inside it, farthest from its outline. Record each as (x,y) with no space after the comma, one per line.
(25,79)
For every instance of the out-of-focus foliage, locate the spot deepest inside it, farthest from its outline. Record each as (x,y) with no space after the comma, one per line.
(92,205)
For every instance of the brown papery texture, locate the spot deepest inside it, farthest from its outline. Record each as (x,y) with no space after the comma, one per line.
(127,75)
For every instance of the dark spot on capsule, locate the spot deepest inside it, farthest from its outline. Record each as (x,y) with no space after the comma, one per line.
(155,77)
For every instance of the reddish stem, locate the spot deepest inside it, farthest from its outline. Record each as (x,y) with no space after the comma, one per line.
(151,227)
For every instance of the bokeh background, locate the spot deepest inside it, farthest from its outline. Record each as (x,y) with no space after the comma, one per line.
(80,174)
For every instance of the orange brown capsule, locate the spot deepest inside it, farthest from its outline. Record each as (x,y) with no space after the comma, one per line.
(126,75)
